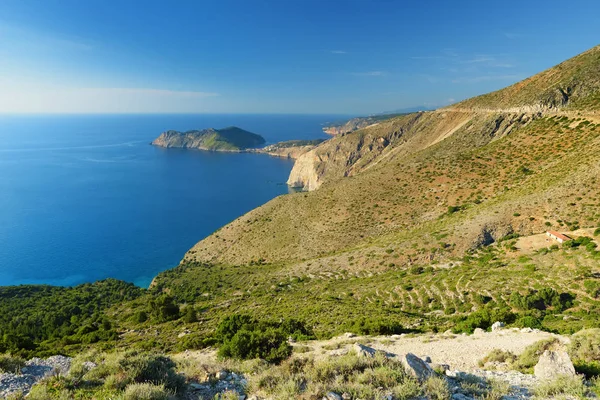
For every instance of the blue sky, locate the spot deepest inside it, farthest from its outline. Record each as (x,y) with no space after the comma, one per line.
(285,56)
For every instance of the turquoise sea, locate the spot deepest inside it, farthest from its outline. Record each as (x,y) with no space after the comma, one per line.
(86,197)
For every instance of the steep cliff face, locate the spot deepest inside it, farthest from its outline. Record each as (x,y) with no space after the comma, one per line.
(226,139)
(304,174)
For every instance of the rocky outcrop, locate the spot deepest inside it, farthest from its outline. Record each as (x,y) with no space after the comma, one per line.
(33,371)
(304,174)
(289,149)
(553,364)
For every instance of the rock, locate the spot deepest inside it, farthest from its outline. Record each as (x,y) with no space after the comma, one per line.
(349,335)
(364,351)
(460,396)
(196,386)
(417,367)
(478,332)
(427,359)
(440,367)
(221,375)
(346,396)
(553,364)
(291,340)
(333,396)
(526,330)
(497,326)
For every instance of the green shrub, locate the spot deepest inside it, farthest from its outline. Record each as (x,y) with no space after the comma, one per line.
(531,355)
(528,321)
(564,385)
(584,350)
(163,308)
(11,364)
(153,368)
(498,355)
(243,337)
(145,391)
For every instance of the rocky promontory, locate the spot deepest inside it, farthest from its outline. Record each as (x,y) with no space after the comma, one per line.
(289,149)
(226,139)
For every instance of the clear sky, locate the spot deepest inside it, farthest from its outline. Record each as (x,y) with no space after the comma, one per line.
(277,56)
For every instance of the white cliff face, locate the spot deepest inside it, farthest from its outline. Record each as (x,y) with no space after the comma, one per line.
(304,173)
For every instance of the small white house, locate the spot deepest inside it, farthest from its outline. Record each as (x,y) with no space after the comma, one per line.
(559,237)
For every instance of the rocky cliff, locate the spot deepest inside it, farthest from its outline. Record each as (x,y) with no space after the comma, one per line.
(226,139)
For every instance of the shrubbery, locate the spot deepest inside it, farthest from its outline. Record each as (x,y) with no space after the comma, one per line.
(483,319)
(542,299)
(584,350)
(152,368)
(59,316)
(243,337)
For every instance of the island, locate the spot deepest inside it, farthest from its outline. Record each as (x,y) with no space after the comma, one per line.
(232,139)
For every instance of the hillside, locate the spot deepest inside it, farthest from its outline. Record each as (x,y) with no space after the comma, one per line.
(226,139)
(571,85)
(423,223)
(423,192)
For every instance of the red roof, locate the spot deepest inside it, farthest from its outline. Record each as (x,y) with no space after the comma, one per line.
(559,235)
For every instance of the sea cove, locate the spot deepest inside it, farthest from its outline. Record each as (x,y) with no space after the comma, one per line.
(84,198)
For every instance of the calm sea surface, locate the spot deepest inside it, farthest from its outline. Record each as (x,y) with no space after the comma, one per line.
(84,198)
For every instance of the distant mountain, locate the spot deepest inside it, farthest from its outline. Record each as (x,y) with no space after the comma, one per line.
(226,139)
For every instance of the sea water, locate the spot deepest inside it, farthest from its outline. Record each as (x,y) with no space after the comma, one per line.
(86,197)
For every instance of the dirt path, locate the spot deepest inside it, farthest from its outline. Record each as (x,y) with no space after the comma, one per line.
(460,352)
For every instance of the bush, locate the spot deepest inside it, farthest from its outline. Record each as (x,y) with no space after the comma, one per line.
(163,308)
(153,368)
(243,337)
(565,385)
(145,391)
(529,322)
(11,364)
(584,350)
(531,355)
(372,326)
(498,355)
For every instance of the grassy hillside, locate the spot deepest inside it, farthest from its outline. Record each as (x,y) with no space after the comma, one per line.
(574,84)
(422,222)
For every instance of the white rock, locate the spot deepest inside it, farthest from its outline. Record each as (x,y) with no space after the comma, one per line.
(478,332)
(417,367)
(332,396)
(364,351)
(553,364)
(497,326)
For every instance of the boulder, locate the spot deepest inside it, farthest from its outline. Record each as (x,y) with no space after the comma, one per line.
(497,326)
(349,335)
(553,364)
(364,351)
(478,332)
(417,367)
(332,396)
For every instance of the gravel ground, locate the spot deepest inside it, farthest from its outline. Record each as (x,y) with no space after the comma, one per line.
(34,370)
(460,352)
